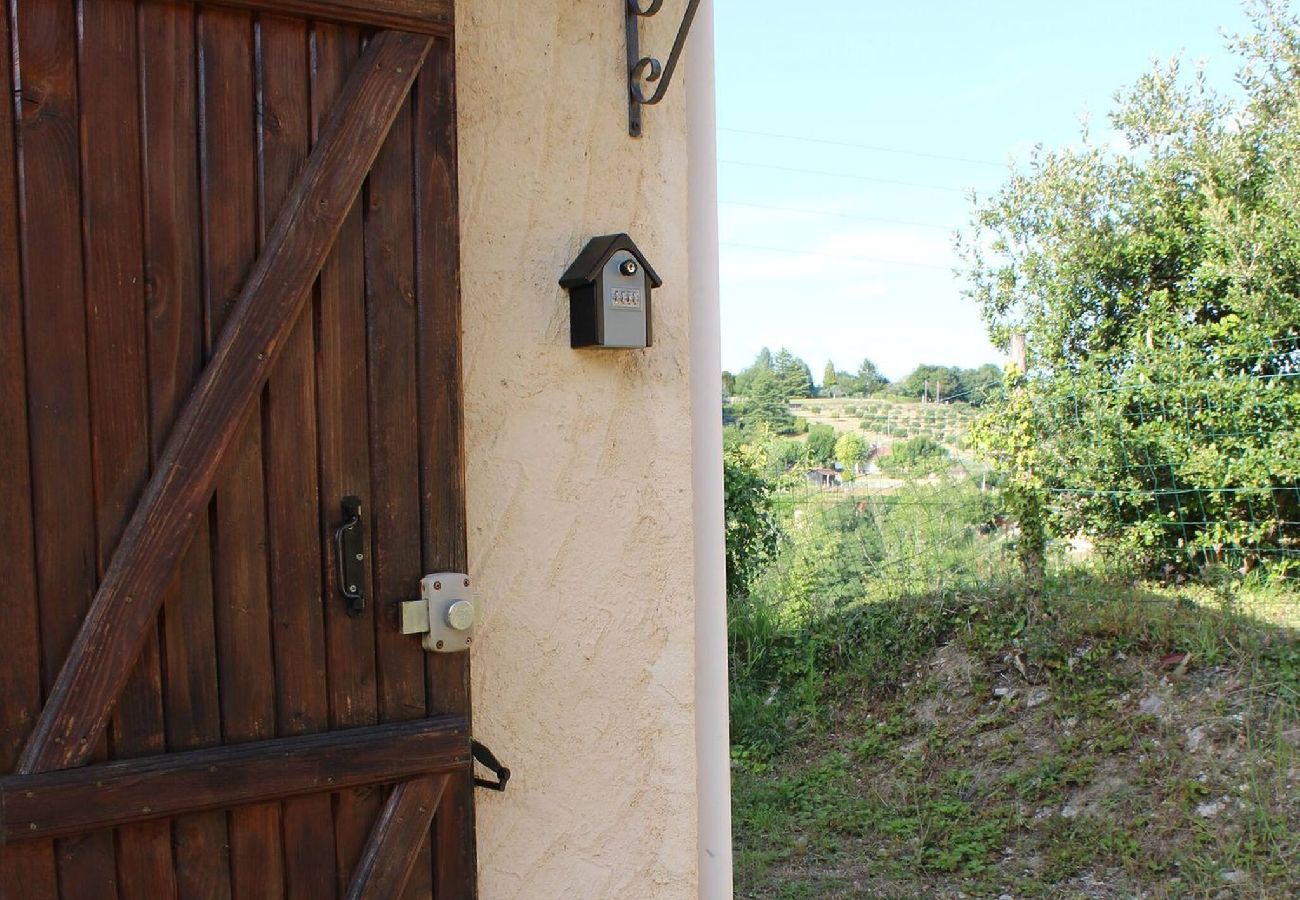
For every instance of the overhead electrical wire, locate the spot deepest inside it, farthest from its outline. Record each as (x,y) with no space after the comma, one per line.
(876,148)
(837,215)
(848,216)
(913,184)
(850,256)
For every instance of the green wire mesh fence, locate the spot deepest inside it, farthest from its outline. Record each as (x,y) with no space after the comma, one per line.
(1149,484)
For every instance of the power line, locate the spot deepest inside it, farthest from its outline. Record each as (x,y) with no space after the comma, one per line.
(914,184)
(878,148)
(851,256)
(837,215)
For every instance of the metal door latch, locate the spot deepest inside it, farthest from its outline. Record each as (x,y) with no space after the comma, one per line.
(489,760)
(445,613)
(350,556)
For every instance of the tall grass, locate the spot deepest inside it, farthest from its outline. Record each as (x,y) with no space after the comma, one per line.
(861,583)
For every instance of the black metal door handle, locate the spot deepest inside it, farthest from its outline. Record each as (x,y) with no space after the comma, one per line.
(350,556)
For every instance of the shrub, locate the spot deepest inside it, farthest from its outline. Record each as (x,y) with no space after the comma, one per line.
(821,444)
(916,458)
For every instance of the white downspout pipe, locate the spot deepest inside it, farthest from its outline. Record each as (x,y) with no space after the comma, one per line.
(712,738)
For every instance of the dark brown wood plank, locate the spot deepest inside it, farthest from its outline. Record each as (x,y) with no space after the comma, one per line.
(26,870)
(343,423)
(139,790)
(442,477)
(289,425)
(395,434)
(57,378)
(177,493)
(112,228)
(241,593)
(393,854)
(417,16)
(394,431)
(172,277)
(20,684)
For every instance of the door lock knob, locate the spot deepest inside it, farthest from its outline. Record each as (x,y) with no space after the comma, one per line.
(460,615)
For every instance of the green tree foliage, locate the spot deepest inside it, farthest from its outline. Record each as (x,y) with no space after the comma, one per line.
(939,383)
(870,380)
(783,455)
(1159,290)
(765,404)
(845,384)
(915,458)
(744,383)
(1010,438)
(821,444)
(793,374)
(850,450)
(752,531)
(829,376)
(728,384)
(982,385)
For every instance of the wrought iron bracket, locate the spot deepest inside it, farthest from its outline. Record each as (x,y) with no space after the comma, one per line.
(647,70)
(489,760)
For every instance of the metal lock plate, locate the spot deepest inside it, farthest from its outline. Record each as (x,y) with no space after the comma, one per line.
(624,315)
(445,613)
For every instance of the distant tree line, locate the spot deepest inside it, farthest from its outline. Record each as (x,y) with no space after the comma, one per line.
(947,383)
(765,388)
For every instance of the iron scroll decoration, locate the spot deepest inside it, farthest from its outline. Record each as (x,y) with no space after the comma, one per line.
(647,70)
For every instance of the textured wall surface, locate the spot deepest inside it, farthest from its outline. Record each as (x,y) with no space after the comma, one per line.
(578,462)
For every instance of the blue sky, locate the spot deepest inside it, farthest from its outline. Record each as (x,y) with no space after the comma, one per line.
(938,98)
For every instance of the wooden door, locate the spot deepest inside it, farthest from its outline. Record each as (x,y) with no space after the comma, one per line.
(228,299)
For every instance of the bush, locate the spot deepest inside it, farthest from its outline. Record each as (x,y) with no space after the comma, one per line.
(916,458)
(782,455)
(821,444)
(850,450)
(751,527)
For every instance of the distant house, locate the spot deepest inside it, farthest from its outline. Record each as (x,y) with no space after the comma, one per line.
(824,478)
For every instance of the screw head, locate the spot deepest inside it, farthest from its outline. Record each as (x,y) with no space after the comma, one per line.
(437,585)
(439,645)
(360,556)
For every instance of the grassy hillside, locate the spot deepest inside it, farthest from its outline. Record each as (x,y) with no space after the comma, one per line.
(883,419)
(1145,742)
(913,716)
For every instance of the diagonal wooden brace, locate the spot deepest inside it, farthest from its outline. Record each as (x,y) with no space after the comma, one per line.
(396,839)
(277,288)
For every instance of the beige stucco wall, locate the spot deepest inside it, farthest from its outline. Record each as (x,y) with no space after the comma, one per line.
(580,531)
